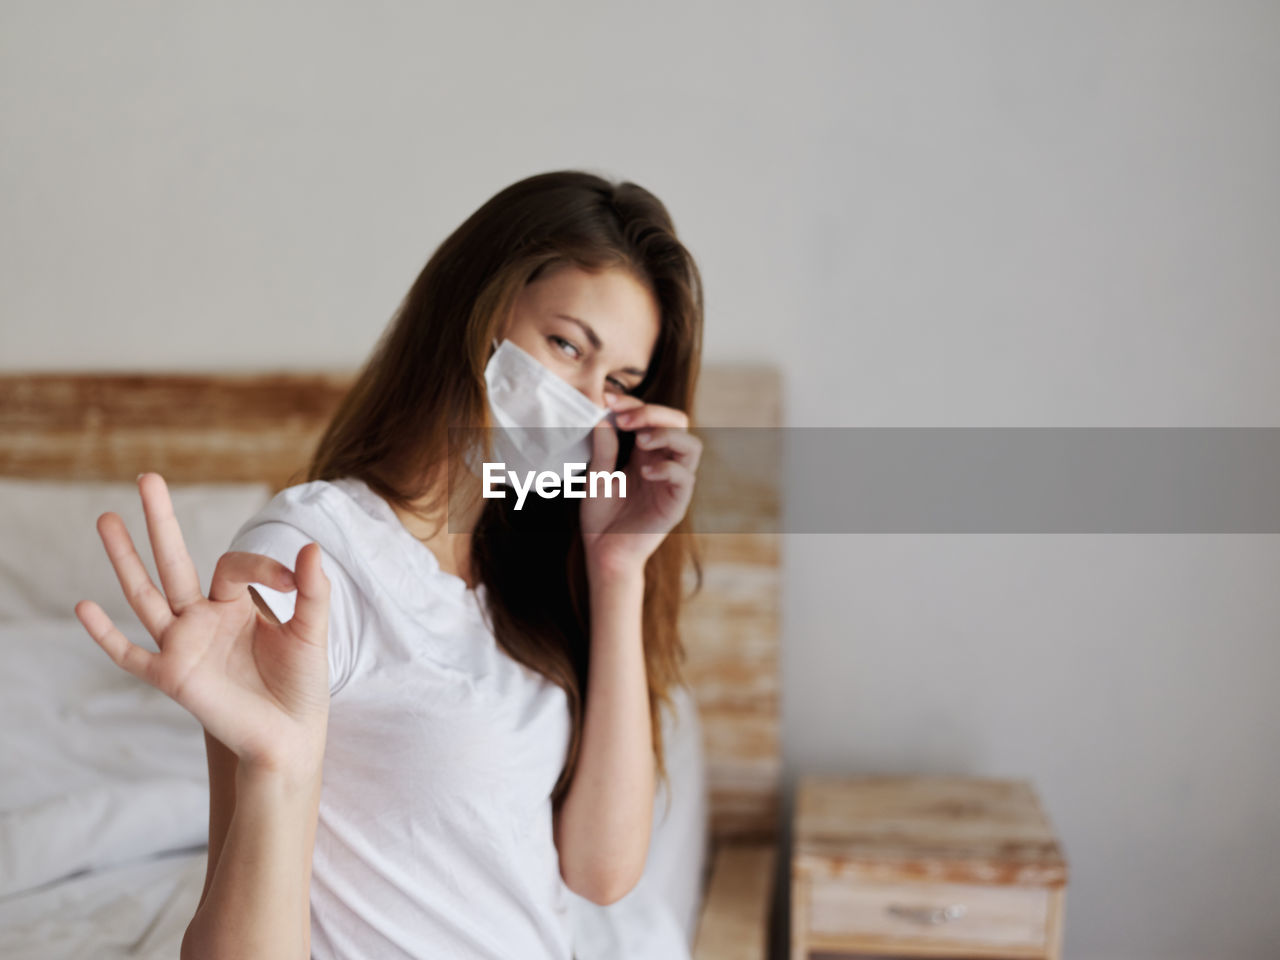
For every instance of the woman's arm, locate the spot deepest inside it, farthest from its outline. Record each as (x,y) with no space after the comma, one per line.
(222,803)
(602,827)
(257,900)
(266,936)
(259,688)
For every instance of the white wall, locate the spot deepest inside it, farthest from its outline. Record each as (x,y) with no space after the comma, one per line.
(961,214)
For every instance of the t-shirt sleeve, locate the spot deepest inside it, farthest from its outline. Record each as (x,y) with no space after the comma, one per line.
(281,541)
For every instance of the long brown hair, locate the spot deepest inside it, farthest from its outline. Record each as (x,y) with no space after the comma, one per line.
(426,375)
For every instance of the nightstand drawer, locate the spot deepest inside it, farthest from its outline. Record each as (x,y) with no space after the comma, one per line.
(929,913)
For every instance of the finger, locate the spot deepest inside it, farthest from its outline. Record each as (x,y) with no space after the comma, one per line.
(147,602)
(622,401)
(236,569)
(123,653)
(678,444)
(311,609)
(652,415)
(668,471)
(177,572)
(604,447)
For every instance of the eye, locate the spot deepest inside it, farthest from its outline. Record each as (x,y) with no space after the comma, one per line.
(565,346)
(619,385)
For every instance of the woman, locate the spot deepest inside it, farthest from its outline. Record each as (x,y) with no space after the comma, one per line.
(489,732)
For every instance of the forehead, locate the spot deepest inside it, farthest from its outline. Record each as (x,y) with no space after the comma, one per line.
(613,302)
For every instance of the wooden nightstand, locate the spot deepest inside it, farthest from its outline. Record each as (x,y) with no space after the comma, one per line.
(925,866)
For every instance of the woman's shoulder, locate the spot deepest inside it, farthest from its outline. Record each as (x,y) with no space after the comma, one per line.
(385,563)
(317,511)
(349,521)
(325,510)
(330,514)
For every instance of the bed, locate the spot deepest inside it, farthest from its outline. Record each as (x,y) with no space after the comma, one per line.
(103,787)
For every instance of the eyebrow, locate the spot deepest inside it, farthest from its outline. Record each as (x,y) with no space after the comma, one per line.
(596,344)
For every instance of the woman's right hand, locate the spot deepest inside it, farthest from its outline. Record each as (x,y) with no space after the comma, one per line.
(260,688)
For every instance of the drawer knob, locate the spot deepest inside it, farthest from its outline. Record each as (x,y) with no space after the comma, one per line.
(928,916)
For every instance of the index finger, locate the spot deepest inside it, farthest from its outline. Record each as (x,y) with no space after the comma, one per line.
(236,569)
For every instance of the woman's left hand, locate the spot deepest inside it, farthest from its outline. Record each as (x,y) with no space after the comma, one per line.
(620,534)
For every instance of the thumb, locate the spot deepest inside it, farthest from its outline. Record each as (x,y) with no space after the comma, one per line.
(604,447)
(311,610)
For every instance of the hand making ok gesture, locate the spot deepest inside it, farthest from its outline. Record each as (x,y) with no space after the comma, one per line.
(258,686)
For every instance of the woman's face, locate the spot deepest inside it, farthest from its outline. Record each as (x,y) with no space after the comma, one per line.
(596,331)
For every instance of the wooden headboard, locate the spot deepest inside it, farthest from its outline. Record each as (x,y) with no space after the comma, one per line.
(261,427)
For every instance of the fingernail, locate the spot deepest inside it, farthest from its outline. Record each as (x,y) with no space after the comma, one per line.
(642,438)
(139,477)
(623,419)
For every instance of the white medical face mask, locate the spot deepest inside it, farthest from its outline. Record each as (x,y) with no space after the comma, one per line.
(543,423)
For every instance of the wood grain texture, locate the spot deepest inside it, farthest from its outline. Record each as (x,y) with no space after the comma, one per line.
(996,915)
(880,828)
(198,428)
(924,865)
(738,897)
(731,629)
(189,428)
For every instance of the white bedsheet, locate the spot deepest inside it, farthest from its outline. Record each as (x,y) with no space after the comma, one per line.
(138,909)
(103,801)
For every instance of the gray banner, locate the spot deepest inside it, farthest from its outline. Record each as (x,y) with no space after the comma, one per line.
(987,480)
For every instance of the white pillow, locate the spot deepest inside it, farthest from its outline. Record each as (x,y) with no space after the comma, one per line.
(51,556)
(657,919)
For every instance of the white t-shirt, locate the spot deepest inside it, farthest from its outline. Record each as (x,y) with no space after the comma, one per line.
(434,836)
